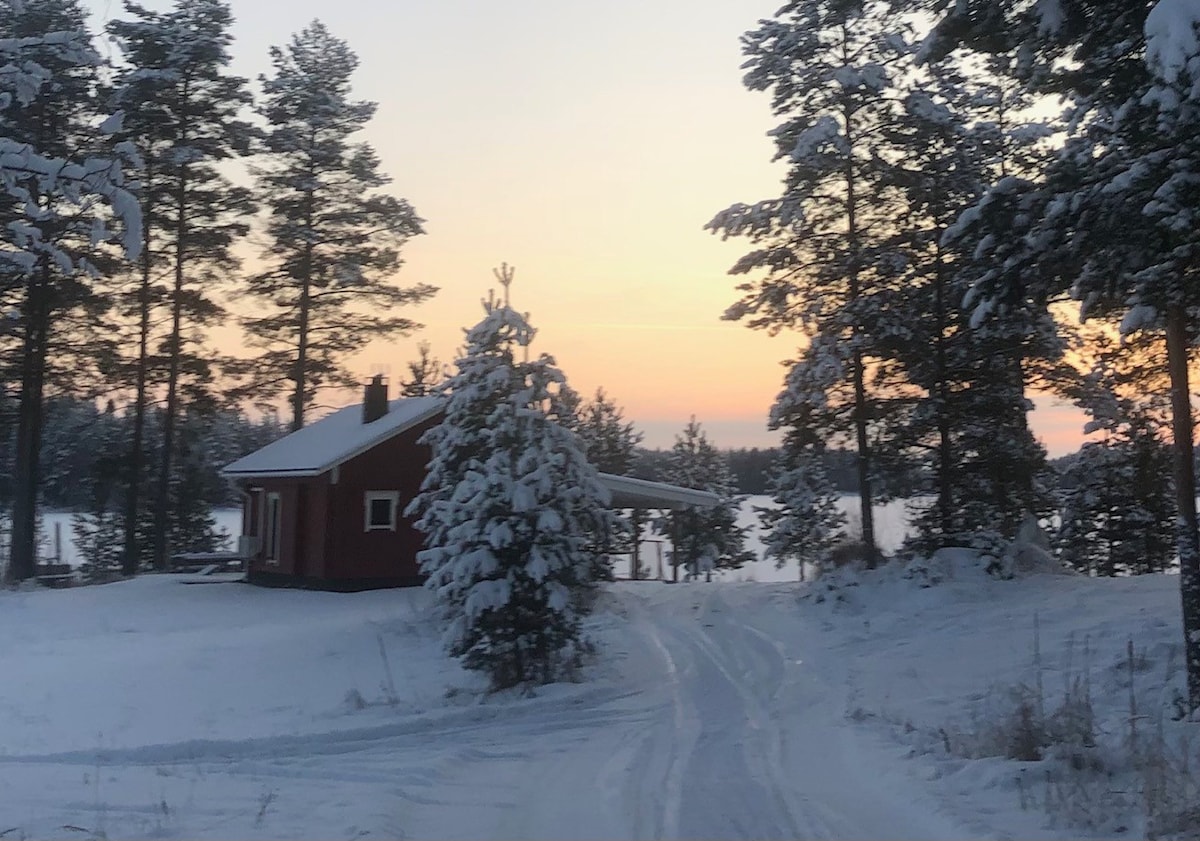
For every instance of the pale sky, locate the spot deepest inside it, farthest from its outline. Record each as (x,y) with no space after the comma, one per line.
(587,144)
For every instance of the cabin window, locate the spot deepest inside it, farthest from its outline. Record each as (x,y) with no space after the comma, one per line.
(380,510)
(272,528)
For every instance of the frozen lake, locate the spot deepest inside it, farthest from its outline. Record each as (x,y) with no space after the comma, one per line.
(229,520)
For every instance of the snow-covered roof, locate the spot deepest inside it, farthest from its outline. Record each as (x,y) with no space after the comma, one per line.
(341,436)
(332,440)
(628,492)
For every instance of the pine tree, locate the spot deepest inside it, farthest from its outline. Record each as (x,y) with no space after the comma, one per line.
(829,65)
(806,521)
(97,529)
(335,238)
(510,508)
(1112,220)
(61,186)
(183,110)
(703,539)
(1117,515)
(1117,511)
(938,170)
(608,439)
(610,444)
(195,487)
(425,373)
(968,432)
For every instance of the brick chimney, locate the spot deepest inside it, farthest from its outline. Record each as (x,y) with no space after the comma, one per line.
(375,399)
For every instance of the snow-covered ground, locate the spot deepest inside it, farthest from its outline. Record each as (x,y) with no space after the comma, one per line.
(155,708)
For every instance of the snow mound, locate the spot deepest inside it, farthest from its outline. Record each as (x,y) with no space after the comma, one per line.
(952,563)
(1029,554)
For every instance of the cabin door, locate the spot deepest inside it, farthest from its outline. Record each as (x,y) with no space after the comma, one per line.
(272,527)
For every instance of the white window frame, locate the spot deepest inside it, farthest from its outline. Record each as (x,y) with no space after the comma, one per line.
(271,542)
(369,497)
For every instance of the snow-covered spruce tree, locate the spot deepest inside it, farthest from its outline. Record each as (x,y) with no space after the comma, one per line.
(196,486)
(334,237)
(513,514)
(703,539)
(830,67)
(1113,219)
(610,444)
(97,529)
(183,114)
(61,185)
(806,521)
(1117,515)
(608,439)
(1117,509)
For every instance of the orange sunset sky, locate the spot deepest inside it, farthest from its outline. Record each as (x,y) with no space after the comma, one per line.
(587,144)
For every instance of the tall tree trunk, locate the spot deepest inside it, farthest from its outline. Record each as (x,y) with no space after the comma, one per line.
(302,349)
(301,373)
(175,349)
(30,416)
(131,556)
(1025,478)
(1188,535)
(865,494)
(858,374)
(1016,362)
(945,441)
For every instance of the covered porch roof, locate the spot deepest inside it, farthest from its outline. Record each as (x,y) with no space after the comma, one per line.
(628,492)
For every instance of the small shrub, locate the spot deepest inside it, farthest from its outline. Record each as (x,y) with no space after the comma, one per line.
(1024,734)
(847,553)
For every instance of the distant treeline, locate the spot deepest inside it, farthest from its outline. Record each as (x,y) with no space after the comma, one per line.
(84,456)
(81,449)
(751,468)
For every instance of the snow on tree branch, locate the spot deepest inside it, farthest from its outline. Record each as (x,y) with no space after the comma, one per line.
(1172,40)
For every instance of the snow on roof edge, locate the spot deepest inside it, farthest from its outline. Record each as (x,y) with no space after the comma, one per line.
(271,459)
(341,436)
(658,491)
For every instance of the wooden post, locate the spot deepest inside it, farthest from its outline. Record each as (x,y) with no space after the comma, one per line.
(635,562)
(674,551)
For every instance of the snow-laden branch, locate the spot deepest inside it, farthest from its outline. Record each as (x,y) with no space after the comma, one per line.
(1172,44)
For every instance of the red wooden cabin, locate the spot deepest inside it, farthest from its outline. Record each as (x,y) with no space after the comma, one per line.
(324,506)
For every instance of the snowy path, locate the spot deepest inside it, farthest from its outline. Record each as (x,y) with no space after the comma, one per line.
(712,716)
(774,756)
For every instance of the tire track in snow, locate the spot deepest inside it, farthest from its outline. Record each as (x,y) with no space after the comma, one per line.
(733,644)
(683,733)
(835,772)
(734,784)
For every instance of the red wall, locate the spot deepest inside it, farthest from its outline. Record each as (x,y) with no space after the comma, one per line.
(304,524)
(395,465)
(323,536)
